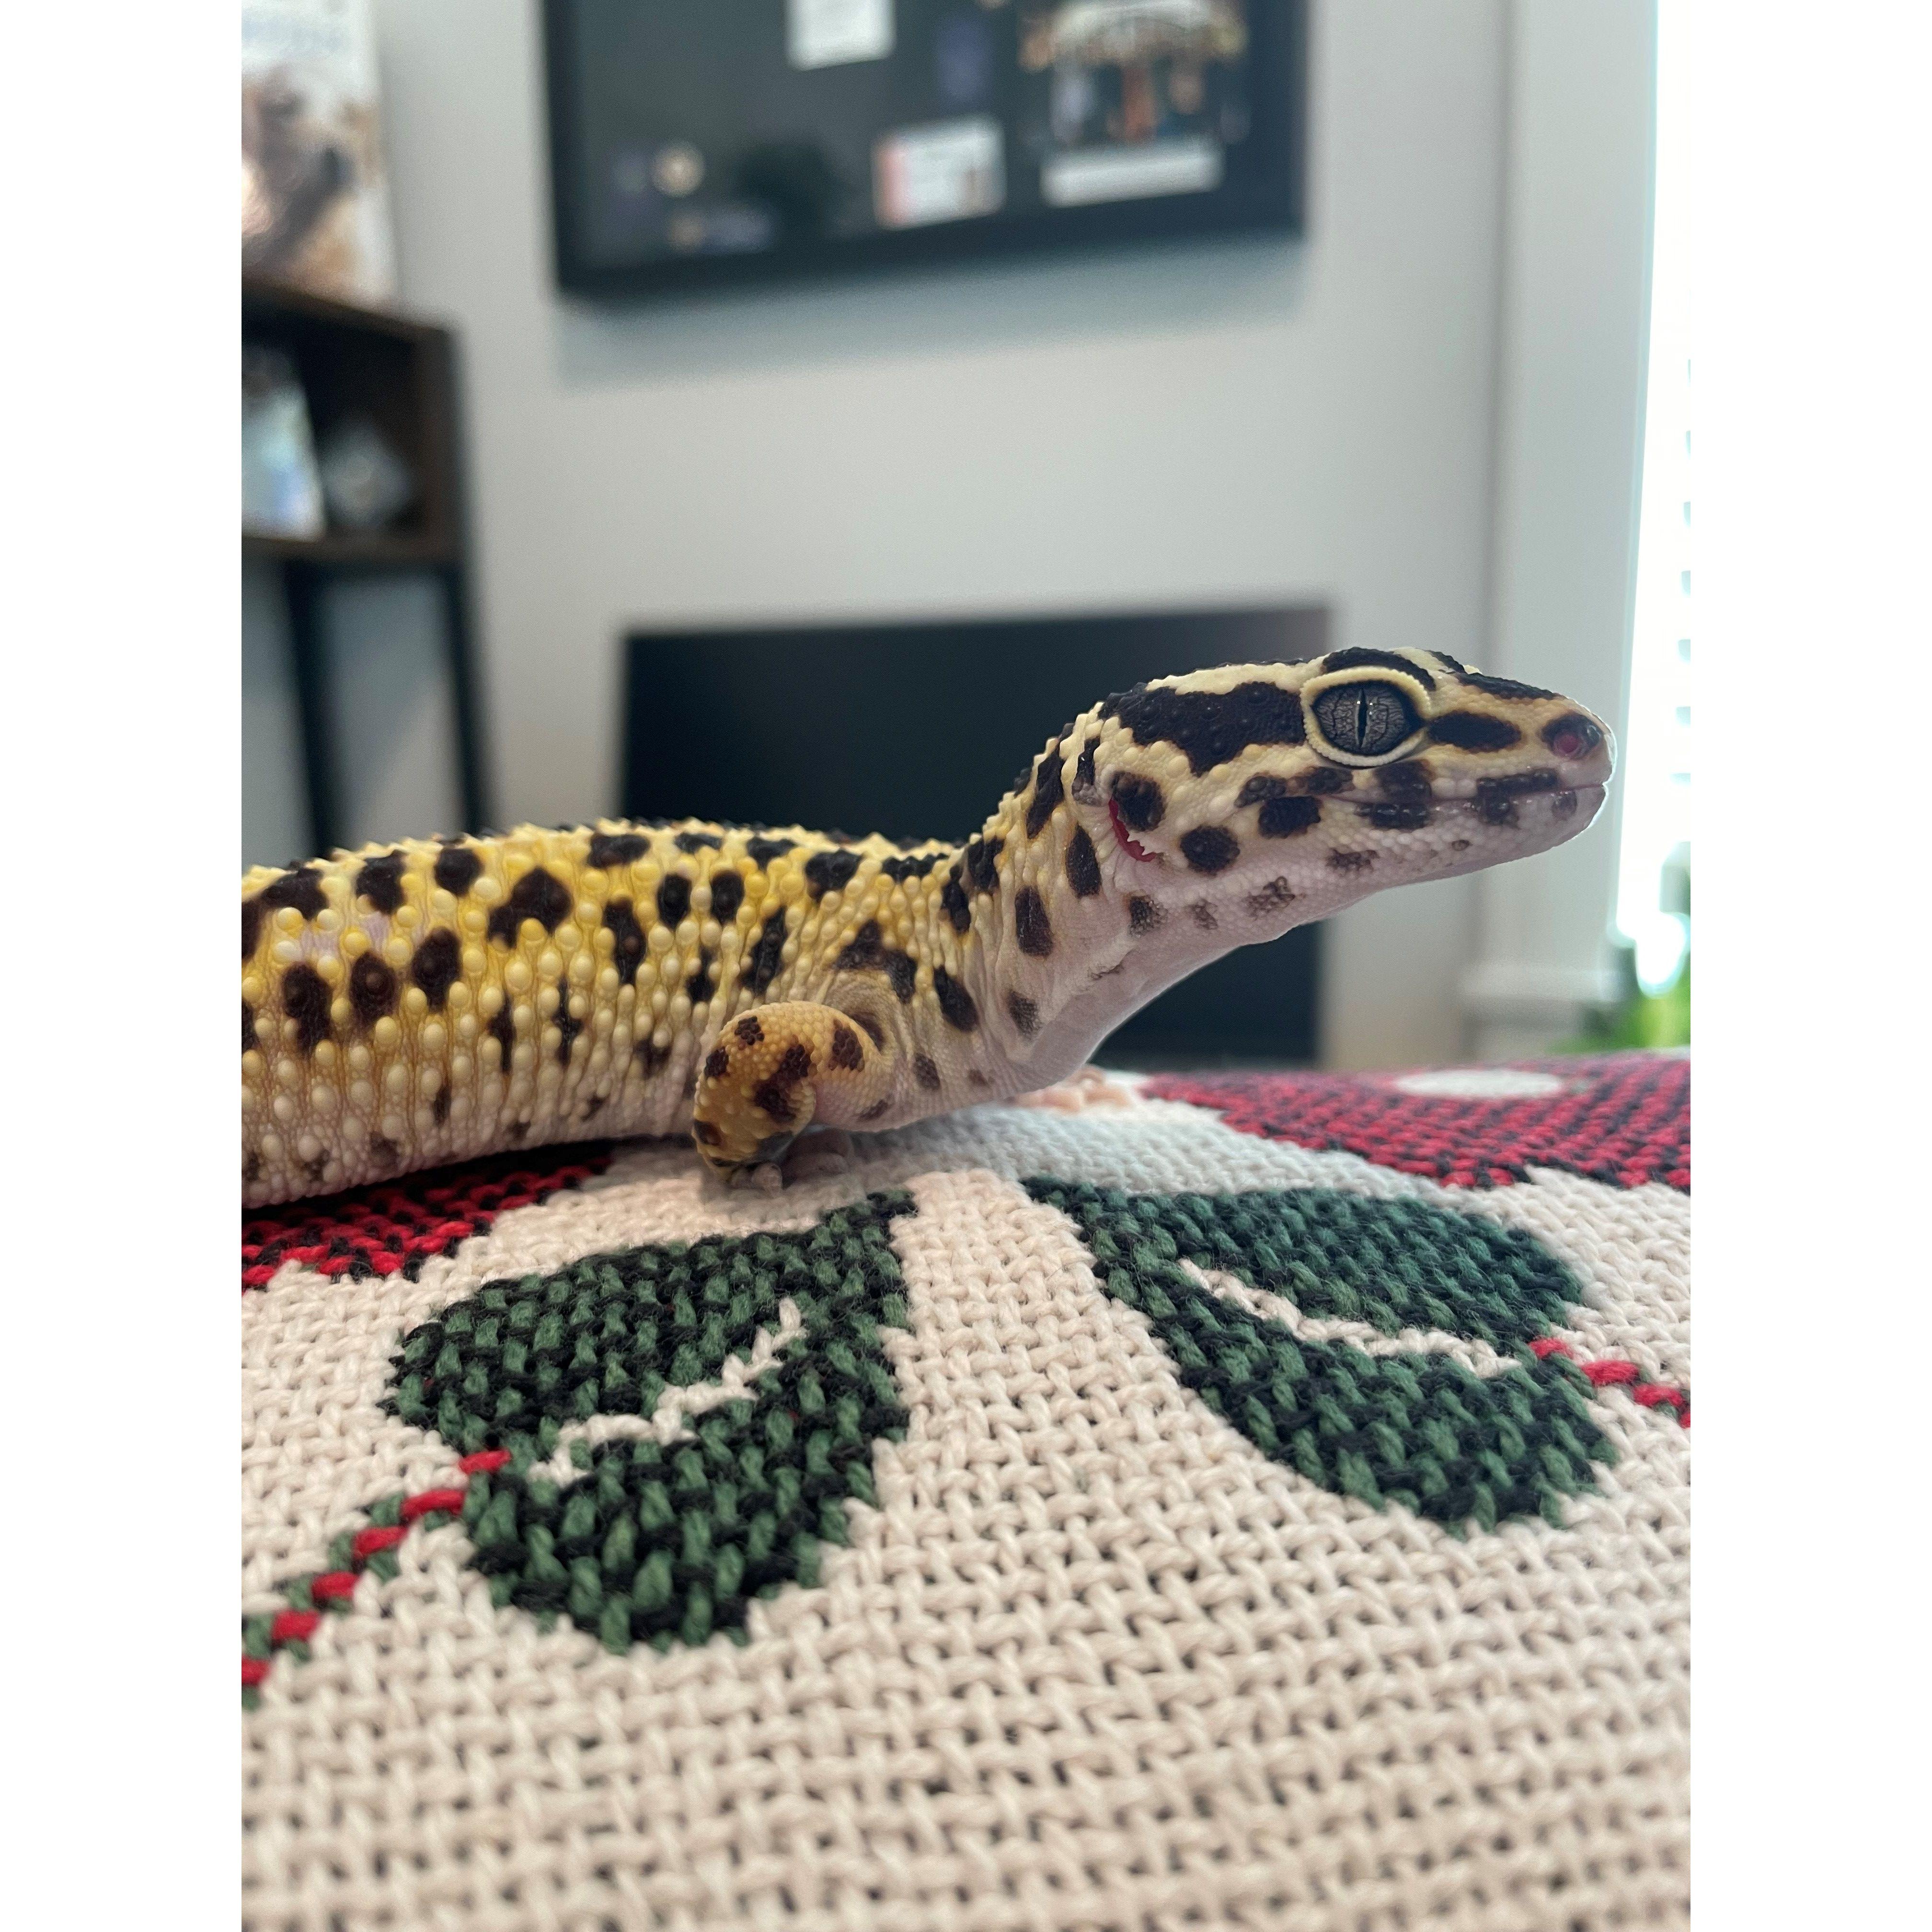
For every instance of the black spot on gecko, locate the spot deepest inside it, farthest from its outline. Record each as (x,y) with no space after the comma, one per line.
(952,902)
(749,1033)
(438,1108)
(650,1057)
(705,1134)
(1283,817)
(438,961)
(502,1029)
(673,899)
(846,1051)
(385,1149)
(305,999)
(1083,864)
(609,849)
(1140,802)
(1398,815)
(876,1109)
(1325,779)
(249,1042)
(372,990)
(1031,925)
(768,955)
(727,894)
(1143,915)
(1204,915)
(302,889)
(251,1169)
(1086,787)
(830,872)
(1473,731)
(925,1072)
(957,1006)
(697,988)
(628,939)
(1210,727)
(900,870)
(981,872)
(1501,687)
(697,841)
(538,895)
(1048,791)
(763,851)
(1355,658)
(1496,798)
(774,1094)
(1407,779)
(456,869)
(1210,849)
(717,1063)
(567,1026)
(1271,898)
(380,881)
(868,953)
(1350,862)
(1025,1014)
(251,928)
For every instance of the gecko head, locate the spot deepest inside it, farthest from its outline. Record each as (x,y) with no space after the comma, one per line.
(1252,798)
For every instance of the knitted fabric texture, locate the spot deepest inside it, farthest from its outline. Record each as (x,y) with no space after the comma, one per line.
(1117,1517)
(1623,1118)
(395,1229)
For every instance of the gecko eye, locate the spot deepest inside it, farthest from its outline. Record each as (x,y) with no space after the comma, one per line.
(1366,719)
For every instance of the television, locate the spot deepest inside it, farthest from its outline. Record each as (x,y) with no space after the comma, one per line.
(916,730)
(700,142)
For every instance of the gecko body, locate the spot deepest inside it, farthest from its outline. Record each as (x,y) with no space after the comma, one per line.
(419,1002)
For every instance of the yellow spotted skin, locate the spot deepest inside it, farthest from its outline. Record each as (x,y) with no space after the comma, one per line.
(417,1002)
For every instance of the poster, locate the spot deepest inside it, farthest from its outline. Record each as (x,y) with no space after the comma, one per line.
(315,198)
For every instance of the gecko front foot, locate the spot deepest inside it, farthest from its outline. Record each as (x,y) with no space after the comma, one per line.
(773,1073)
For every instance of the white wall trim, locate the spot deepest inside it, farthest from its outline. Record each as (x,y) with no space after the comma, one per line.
(1520,990)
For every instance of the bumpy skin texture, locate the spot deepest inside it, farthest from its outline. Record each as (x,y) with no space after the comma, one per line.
(418,1003)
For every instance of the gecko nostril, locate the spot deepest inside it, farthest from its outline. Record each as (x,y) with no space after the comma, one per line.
(1572,736)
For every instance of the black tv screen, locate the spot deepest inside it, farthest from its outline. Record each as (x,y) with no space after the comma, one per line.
(702,142)
(915,730)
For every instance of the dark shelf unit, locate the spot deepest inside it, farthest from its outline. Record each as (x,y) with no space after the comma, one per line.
(401,373)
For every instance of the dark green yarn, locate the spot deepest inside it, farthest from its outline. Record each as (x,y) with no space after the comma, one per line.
(656,1543)
(1418,1429)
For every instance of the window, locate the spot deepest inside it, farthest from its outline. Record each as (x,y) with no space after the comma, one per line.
(1654,861)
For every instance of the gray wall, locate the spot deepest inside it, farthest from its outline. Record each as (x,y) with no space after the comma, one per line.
(1249,422)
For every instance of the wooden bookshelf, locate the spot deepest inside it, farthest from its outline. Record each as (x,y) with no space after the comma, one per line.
(400,371)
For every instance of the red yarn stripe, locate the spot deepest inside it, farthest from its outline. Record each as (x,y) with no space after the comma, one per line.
(338,1586)
(1614,1373)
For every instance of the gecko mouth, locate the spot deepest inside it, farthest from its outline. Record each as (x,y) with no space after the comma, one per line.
(1130,845)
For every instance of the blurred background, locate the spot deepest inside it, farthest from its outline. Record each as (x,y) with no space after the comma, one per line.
(660,405)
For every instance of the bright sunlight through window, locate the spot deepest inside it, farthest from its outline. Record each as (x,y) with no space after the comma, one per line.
(1653,863)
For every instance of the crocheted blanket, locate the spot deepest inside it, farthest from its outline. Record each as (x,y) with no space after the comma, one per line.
(1242,1499)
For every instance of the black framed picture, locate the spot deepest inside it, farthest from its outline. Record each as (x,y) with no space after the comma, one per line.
(705,142)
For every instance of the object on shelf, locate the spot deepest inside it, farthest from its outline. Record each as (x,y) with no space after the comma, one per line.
(315,198)
(281,490)
(365,483)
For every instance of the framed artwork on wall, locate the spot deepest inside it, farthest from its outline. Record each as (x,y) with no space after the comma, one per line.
(701,142)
